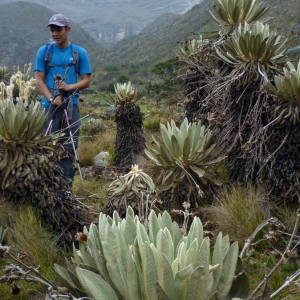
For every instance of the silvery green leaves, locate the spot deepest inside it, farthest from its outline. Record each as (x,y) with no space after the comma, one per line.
(20,134)
(131,184)
(186,155)
(252,43)
(21,123)
(229,14)
(190,48)
(125,93)
(122,260)
(287,86)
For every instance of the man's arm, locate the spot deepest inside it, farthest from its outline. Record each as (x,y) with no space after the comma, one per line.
(40,84)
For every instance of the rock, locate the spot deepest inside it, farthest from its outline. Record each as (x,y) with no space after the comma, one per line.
(111,109)
(102,159)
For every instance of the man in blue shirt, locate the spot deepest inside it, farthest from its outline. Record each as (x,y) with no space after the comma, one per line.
(59,80)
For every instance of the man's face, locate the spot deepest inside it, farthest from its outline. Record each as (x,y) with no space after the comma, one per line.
(59,34)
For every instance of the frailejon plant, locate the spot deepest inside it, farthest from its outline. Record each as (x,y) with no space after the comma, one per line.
(130,140)
(187,160)
(229,14)
(253,50)
(29,161)
(120,259)
(190,48)
(287,89)
(206,74)
(258,129)
(126,190)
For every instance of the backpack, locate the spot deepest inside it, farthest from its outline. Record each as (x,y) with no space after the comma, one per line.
(75,54)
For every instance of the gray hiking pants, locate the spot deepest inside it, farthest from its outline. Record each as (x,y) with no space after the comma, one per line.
(60,125)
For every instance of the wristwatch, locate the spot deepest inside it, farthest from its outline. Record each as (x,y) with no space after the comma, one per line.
(50,99)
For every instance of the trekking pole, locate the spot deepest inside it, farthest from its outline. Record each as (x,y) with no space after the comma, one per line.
(73,144)
(48,128)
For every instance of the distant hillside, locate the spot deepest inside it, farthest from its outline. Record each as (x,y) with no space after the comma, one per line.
(108,21)
(23,29)
(160,39)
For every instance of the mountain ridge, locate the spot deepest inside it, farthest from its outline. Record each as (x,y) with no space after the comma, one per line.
(110,21)
(197,20)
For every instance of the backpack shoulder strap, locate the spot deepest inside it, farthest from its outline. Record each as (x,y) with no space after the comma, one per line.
(75,54)
(48,56)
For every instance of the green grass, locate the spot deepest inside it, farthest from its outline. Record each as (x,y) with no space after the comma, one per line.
(90,190)
(238,212)
(87,150)
(153,122)
(260,264)
(26,234)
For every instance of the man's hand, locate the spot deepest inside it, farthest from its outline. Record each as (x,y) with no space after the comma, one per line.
(63,86)
(57,101)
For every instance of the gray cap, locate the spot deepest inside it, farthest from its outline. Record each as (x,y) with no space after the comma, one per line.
(59,20)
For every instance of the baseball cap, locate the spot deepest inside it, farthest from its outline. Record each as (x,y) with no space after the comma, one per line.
(59,20)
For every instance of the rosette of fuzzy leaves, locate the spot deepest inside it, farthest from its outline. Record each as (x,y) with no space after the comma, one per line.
(126,190)
(125,92)
(287,86)
(253,51)
(120,259)
(190,48)
(229,14)
(4,74)
(131,184)
(254,43)
(186,158)
(287,89)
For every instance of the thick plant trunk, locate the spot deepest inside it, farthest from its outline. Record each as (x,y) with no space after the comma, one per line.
(130,140)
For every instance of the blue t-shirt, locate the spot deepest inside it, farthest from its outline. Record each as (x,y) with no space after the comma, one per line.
(61,56)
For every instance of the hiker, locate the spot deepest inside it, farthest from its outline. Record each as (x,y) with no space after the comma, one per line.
(62,69)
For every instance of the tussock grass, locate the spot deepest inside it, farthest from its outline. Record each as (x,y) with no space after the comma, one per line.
(91,191)
(239,211)
(106,141)
(287,214)
(26,233)
(87,150)
(153,122)
(86,153)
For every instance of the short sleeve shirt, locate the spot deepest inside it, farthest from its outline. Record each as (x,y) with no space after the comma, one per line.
(61,58)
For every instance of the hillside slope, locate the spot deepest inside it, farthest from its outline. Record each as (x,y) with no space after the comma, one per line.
(23,29)
(161,41)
